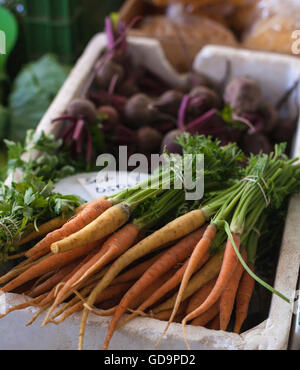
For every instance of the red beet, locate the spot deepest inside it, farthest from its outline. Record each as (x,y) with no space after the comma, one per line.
(137,111)
(108,70)
(149,139)
(243,94)
(202,99)
(270,116)
(285,130)
(83,108)
(255,143)
(195,79)
(111,117)
(169,102)
(169,142)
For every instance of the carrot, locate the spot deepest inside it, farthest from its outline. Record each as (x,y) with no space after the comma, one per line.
(207,316)
(214,324)
(43,229)
(176,254)
(108,222)
(115,245)
(228,296)
(165,315)
(199,297)
(137,271)
(201,249)
(88,214)
(51,263)
(228,266)
(115,291)
(52,281)
(172,283)
(137,301)
(176,229)
(208,272)
(31,302)
(244,294)
(52,294)
(20,269)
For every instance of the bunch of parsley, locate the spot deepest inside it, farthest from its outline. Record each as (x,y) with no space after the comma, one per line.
(26,205)
(52,162)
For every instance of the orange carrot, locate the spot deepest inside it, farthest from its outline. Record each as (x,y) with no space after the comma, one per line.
(199,297)
(207,316)
(201,249)
(228,296)
(176,254)
(137,271)
(18,270)
(51,263)
(90,213)
(229,264)
(165,315)
(52,281)
(115,245)
(214,324)
(167,287)
(43,229)
(171,232)
(31,302)
(243,297)
(51,295)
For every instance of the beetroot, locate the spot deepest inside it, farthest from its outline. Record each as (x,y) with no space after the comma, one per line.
(255,143)
(285,130)
(169,102)
(202,99)
(105,98)
(164,126)
(140,111)
(128,88)
(243,94)
(137,111)
(81,114)
(195,79)
(149,139)
(83,108)
(169,142)
(111,118)
(270,116)
(107,71)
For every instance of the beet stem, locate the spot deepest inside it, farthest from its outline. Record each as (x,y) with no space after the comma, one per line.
(182,112)
(196,124)
(110,35)
(67,131)
(78,129)
(63,118)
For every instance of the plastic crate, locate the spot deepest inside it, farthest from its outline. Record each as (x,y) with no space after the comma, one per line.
(54,26)
(66,39)
(51,9)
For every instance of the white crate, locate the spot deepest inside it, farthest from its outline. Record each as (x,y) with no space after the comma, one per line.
(276,74)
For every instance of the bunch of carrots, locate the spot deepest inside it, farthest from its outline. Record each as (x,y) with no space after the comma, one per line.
(148,252)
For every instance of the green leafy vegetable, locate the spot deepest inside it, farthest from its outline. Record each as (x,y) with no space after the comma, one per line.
(26,205)
(33,91)
(52,163)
